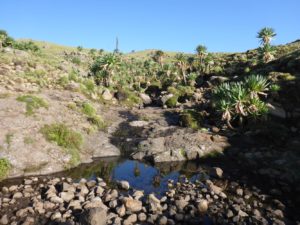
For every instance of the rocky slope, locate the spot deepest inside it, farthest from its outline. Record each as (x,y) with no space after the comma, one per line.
(51,87)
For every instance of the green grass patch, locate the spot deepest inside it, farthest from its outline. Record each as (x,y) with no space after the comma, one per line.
(32,103)
(97,121)
(88,109)
(63,81)
(4,168)
(65,137)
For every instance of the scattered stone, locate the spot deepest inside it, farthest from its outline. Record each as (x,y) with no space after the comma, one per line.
(133,205)
(106,95)
(56,216)
(124,184)
(94,216)
(17,195)
(4,220)
(216,172)
(130,220)
(142,217)
(202,206)
(145,98)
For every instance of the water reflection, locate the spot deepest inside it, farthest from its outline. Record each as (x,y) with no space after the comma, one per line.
(139,175)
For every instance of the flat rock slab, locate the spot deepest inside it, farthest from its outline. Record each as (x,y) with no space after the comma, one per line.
(181,145)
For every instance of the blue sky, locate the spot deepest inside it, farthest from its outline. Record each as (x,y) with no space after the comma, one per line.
(174,25)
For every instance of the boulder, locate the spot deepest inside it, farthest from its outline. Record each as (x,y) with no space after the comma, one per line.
(106,95)
(124,184)
(138,123)
(145,98)
(133,205)
(202,206)
(165,98)
(216,172)
(94,216)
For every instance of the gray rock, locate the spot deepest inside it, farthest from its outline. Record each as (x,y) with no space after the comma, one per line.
(124,184)
(216,172)
(145,98)
(56,199)
(130,220)
(138,194)
(121,210)
(133,205)
(154,202)
(165,98)
(95,203)
(56,216)
(202,206)
(106,95)
(94,216)
(229,214)
(181,204)
(139,123)
(17,195)
(242,214)
(4,220)
(163,220)
(67,196)
(142,217)
(239,192)
(278,213)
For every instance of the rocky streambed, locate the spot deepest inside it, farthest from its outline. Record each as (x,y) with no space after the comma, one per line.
(176,193)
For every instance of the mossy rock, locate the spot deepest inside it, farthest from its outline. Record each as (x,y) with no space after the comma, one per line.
(191,118)
(172,102)
(128,97)
(183,93)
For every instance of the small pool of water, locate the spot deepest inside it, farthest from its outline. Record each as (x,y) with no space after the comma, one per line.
(141,176)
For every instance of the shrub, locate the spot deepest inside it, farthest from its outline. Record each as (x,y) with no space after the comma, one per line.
(238,100)
(32,103)
(274,88)
(26,46)
(4,168)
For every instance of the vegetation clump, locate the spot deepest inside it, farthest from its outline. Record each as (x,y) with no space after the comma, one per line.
(172,102)
(266,51)
(92,116)
(65,137)
(32,103)
(88,109)
(240,100)
(4,168)
(191,118)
